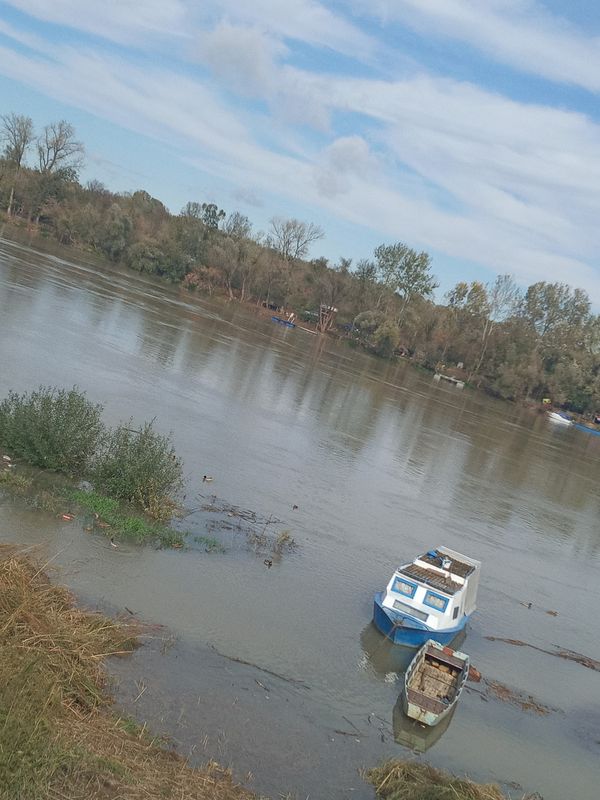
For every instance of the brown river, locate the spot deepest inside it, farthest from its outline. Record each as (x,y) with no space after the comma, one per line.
(277,671)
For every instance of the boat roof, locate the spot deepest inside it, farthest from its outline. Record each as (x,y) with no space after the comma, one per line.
(458,566)
(436,580)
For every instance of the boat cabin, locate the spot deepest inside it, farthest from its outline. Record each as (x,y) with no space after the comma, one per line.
(438,588)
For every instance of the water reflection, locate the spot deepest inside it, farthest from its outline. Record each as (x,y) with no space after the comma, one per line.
(412,734)
(390,661)
(383,658)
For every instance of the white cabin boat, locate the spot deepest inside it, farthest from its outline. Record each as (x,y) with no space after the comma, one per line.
(431,598)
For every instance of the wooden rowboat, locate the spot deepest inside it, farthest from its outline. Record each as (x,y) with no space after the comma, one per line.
(433,682)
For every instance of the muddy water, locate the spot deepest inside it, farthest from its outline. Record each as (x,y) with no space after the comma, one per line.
(381,462)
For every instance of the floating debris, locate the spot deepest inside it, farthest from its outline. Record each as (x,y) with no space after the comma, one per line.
(569,655)
(525,702)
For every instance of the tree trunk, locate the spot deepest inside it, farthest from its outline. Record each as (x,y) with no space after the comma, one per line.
(10,201)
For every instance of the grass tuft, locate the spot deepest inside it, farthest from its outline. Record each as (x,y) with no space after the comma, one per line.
(412,780)
(126,524)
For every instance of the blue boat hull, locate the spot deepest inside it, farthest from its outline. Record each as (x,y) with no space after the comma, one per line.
(585,429)
(284,322)
(406,630)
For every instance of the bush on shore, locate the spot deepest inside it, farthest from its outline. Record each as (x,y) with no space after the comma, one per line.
(56,429)
(62,431)
(139,467)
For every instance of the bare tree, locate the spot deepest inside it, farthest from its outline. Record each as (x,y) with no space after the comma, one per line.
(238,226)
(57,147)
(16,134)
(292,238)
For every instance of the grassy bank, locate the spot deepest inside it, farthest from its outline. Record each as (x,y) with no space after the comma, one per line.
(58,736)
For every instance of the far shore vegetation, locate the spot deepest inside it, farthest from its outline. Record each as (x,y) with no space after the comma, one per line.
(132,474)
(527,345)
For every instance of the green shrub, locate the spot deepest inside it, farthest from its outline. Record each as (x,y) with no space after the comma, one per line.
(139,467)
(57,429)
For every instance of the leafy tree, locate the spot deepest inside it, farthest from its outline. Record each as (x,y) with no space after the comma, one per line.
(386,338)
(212,215)
(403,271)
(115,233)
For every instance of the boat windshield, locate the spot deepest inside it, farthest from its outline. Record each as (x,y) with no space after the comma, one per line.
(414,612)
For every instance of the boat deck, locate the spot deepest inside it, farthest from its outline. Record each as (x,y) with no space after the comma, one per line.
(457,567)
(434,579)
(426,703)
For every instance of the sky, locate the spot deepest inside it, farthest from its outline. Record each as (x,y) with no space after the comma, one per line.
(467,128)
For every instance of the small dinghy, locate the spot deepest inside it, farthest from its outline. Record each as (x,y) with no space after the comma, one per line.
(433,682)
(286,322)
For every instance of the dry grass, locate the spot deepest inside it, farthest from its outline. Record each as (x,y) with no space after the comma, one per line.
(58,739)
(411,780)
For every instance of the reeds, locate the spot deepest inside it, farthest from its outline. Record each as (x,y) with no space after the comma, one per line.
(412,780)
(58,738)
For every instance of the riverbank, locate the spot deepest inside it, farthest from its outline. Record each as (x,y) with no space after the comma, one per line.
(59,736)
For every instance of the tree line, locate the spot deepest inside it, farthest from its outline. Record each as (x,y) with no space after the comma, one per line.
(543,341)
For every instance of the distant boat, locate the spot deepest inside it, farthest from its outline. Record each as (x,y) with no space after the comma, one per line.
(431,598)
(587,429)
(433,683)
(560,418)
(285,322)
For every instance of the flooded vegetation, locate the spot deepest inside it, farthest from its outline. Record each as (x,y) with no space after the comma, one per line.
(269,669)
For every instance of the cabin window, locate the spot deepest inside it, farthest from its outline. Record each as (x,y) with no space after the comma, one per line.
(400,606)
(455,615)
(436,601)
(404,587)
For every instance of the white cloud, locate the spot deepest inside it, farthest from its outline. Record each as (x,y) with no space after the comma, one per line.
(249,62)
(520,33)
(304,21)
(343,161)
(244,58)
(124,21)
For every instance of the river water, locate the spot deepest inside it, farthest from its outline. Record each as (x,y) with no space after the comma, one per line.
(382,463)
